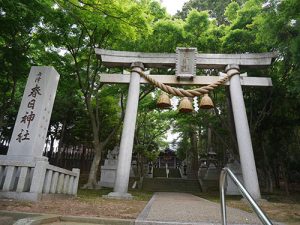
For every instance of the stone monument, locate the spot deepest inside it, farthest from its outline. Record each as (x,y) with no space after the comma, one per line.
(202,168)
(231,188)
(29,134)
(108,170)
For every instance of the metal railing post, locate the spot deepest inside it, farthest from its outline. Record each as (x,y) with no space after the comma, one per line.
(222,197)
(263,218)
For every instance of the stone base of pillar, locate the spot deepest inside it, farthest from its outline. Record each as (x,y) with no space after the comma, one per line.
(118,195)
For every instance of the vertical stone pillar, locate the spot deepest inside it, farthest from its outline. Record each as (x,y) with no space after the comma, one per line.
(126,145)
(75,181)
(47,183)
(243,132)
(9,178)
(66,184)
(30,130)
(54,182)
(22,179)
(70,188)
(60,183)
(38,177)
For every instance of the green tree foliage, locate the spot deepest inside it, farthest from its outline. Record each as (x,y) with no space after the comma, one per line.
(18,20)
(231,11)
(202,32)
(241,35)
(242,40)
(157,10)
(79,27)
(278,28)
(215,8)
(165,36)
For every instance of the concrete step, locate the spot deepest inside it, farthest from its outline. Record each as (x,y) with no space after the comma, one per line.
(209,185)
(171,185)
(174,173)
(159,172)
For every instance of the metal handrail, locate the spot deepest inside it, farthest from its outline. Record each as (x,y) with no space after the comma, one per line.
(263,218)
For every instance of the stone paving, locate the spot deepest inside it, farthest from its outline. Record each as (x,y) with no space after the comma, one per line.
(182,208)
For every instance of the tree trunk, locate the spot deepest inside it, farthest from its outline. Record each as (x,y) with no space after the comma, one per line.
(267,168)
(276,173)
(194,149)
(98,147)
(139,165)
(285,179)
(92,181)
(140,170)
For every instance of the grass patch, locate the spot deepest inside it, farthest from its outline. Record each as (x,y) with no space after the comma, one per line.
(141,195)
(281,197)
(90,194)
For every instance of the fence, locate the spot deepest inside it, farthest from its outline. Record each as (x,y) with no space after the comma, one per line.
(71,157)
(30,180)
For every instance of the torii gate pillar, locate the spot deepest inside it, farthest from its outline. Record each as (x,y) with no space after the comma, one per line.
(243,132)
(126,145)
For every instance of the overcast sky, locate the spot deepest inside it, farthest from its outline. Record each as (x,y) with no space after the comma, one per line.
(173,5)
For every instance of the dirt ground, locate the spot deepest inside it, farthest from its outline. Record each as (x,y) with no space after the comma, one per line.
(97,207)
(288,213)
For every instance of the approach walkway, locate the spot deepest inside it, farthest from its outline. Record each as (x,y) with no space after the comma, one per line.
(182,208)
(164,208)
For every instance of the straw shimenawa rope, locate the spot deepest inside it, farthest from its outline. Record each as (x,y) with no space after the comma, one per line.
(188,93)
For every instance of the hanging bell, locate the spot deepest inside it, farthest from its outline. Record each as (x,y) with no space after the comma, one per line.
(185,105)
(206,102)
(164,101)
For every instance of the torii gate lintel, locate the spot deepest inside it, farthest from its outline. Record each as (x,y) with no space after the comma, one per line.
(111,58)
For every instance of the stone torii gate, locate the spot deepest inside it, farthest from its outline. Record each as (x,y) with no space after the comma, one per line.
(186,60)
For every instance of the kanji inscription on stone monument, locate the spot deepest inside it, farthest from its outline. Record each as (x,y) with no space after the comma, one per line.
(33,118)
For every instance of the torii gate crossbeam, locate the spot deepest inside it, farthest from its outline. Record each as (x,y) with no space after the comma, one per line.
(229,62)
(112,58)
